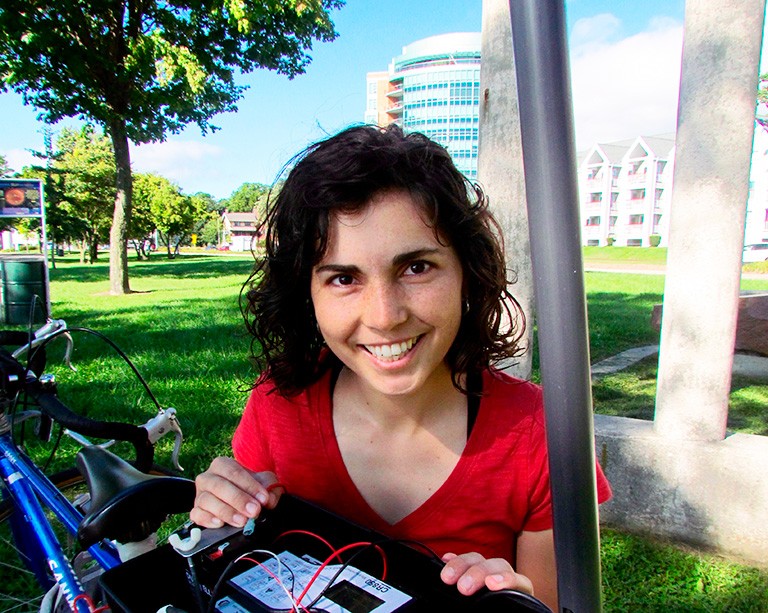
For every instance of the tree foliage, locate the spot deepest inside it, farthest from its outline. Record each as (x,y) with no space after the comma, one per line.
(762,101)
(84,179)
(174,215)
(145,68)
(5,170)
(246,198)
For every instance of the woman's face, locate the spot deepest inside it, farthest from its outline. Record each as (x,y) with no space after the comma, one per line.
(387,296)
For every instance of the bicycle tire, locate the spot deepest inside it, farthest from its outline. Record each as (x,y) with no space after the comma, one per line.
(19,591)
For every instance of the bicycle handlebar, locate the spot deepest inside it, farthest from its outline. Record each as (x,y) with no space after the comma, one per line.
(14,377)
(62,414)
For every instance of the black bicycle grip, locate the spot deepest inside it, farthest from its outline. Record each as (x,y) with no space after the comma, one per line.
(60,413)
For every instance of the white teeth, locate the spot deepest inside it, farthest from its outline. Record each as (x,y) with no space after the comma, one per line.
(393,351)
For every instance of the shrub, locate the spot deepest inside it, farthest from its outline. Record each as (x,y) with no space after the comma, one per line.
(654,240)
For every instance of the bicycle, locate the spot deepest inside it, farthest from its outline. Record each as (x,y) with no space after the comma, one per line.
(70,527)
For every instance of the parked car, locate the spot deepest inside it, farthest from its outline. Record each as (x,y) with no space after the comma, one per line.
(755,253)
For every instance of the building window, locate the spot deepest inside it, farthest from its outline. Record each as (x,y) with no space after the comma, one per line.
(634,242)
(635,220)
(593,221)
(637,194)
(595,197)
(593,242)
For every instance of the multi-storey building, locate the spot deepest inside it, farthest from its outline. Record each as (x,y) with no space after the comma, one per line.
(756,225)
(625,189)
(433,87)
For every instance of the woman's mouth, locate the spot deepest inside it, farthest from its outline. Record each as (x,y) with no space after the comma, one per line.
(393,351)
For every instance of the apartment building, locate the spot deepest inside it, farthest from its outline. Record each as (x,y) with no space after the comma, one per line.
(433,87)
(625,190)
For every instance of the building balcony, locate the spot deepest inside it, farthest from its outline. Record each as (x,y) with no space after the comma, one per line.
(635,179)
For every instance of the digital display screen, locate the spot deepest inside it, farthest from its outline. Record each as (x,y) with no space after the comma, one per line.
(353,598)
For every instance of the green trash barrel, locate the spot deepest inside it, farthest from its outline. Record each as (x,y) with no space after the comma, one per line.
(22,278)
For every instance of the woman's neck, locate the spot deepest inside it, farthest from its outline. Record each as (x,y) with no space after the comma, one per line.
(417,409)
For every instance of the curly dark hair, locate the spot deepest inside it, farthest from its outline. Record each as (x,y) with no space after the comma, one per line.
(343,173)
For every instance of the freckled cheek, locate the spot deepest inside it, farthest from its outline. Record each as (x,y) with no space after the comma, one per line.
(442,306)
(335,321)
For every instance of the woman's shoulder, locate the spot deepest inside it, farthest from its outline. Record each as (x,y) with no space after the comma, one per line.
(497,383)
(266,393)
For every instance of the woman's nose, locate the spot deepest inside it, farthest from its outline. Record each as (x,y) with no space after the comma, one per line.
(384,307)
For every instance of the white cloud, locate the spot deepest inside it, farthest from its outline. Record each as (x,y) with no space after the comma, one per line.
(16,159)
(594,30)
(180,161)
(624,87)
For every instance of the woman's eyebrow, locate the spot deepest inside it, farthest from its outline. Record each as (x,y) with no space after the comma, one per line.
(398,260)
(337,269)
(416,254)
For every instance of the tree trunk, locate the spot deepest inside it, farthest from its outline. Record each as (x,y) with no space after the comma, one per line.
(118,246)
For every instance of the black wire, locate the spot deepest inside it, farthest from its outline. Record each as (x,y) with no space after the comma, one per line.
(228,568)
(56,445)
(33,351)
(362,550)
(112,344)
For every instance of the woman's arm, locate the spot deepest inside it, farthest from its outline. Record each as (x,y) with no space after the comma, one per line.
(536,560)
(535,573)
(229,493)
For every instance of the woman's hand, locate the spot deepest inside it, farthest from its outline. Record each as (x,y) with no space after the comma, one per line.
(228,493)
(470,571)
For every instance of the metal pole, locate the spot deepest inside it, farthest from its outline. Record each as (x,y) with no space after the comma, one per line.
(541,61)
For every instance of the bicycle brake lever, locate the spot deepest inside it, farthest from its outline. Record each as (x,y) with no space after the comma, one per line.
(176,450)
(161,424)
(68,352)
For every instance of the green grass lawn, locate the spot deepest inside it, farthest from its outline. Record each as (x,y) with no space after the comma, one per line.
(183,330)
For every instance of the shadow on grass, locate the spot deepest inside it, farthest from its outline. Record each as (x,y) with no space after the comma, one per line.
(620,321)
(646,575)
(185,266)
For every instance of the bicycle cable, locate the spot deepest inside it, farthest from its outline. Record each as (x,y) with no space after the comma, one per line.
(114,346)
(51,337)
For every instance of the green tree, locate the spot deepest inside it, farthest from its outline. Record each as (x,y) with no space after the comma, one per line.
(761,113)
(145,68)
(247,197)
(173,214)
(85,165)
(141,226)
(4,168)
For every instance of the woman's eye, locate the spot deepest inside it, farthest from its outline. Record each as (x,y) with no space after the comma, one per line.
(417,268)
(342,280)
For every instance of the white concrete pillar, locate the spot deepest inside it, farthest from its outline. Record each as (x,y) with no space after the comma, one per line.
(500,161)
(711,182)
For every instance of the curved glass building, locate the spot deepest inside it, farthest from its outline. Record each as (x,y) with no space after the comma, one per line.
(433,87)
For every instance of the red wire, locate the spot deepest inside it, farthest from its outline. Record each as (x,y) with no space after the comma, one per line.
(336,554)
(273,575)
(312,534)
(88,602)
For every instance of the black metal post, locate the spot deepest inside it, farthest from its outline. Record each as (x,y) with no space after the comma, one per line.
(546,120)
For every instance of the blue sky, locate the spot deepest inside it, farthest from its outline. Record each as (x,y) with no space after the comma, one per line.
(625,62)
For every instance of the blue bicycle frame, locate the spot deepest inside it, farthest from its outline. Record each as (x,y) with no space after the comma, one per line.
(29,489)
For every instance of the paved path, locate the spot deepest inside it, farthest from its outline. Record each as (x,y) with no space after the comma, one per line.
(750,366)
(648,269)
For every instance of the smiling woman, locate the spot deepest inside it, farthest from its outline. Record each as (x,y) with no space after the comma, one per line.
(378,315)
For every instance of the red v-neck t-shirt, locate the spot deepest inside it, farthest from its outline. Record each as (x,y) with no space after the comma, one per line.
(499,487)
